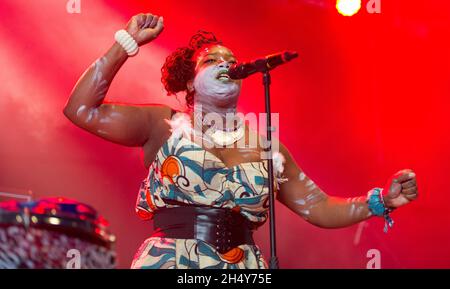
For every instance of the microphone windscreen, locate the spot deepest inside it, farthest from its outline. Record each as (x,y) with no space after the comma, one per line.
(289,55)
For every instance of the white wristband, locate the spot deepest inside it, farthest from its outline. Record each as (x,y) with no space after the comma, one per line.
(127,42)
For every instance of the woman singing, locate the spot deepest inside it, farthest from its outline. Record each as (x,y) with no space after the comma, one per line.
(205,193)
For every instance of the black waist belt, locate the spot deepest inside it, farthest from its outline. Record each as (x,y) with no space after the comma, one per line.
(222,228)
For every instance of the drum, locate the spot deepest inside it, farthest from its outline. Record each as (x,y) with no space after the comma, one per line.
(54,233)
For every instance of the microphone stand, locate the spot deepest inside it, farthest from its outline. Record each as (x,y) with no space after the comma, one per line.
(264,65)
(273,263)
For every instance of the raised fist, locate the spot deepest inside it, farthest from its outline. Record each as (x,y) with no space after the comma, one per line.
(401,189)
(145,27)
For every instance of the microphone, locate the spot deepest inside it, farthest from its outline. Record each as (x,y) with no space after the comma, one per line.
(245,69)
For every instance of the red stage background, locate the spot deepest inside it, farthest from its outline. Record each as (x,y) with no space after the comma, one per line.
(368,96)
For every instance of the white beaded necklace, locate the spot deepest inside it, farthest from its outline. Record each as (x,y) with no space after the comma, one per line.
(222,137)
(225,138)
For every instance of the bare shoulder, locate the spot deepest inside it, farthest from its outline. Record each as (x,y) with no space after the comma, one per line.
(156,116)
(157,112)
(159,130)
(290,163)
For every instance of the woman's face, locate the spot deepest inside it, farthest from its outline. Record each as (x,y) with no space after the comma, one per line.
(212,83)
(212,55)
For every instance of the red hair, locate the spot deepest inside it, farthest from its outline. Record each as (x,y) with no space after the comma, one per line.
(179,66)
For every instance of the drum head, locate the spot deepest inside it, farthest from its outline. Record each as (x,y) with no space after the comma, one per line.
(39,234)
(58,214)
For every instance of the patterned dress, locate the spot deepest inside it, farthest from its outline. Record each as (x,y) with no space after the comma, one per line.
(184,173)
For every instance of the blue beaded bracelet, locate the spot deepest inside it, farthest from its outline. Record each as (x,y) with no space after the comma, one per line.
(378,208)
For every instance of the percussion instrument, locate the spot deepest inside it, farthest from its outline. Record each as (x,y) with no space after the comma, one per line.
(54,233)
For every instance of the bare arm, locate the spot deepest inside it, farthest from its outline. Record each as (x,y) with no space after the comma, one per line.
(129,125)
(304,197)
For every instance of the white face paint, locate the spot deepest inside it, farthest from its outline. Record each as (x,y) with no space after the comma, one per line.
(80,110)
(100,85)
(213,87)
(305,213)
(86,114)
(93,113)
(102,132)
(302,176)
(352,209)
(300,202)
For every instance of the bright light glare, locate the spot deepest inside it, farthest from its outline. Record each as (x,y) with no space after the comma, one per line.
(348,7)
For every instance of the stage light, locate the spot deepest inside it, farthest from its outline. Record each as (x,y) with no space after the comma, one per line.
(348,7)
